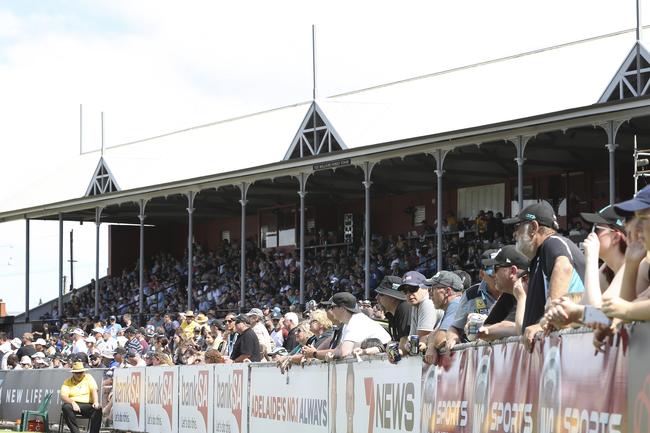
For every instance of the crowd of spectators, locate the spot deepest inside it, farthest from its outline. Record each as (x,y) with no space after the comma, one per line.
(543,282)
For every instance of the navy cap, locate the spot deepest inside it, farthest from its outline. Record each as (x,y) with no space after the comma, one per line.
(413,278)
(640,201)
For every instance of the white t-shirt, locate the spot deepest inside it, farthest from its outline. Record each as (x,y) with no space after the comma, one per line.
(79,346)
(361,327)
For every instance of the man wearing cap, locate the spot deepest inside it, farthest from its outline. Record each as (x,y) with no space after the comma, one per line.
(358,327)
(247,346)
(15,345)
(478,299)
(397,310)
(256,317)
(424,316)
(189,324)
(446,289)
(79,395)
(113,327)
(506,317)
(557,265)
(79,341)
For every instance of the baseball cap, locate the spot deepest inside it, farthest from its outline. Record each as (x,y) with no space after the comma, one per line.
(130,330)
(120,351)
(487,256)
(255,312)
(413,278)
(16,342)
(40,342)
(640,201)
(112,318)
(508,256)
(446,279)
(346,300)
(242,318)
(541,212)
(78,331)
(389,286)
(464,277)
(26,360)
(606,216)
(90,339)
(98,330)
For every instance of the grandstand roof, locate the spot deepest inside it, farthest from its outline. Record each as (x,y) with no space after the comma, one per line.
(406,113)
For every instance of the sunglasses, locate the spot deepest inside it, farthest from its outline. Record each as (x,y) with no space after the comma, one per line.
(228,321)
(600,229)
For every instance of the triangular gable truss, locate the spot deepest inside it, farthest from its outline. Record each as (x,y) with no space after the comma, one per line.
(633,77)
(103,181)
(315,136)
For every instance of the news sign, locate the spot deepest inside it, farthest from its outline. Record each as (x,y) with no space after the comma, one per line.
(376,396)
(129,399)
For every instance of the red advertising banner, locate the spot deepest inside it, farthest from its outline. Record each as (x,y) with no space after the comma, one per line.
(561,387)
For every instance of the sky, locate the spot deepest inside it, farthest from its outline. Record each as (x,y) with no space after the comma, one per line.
(158,66)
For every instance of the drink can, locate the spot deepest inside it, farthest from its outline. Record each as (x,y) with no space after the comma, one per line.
(414,341)
(474,323)
(392,350)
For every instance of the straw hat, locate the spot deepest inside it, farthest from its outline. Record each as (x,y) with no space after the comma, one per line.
(201,318)
(78,367)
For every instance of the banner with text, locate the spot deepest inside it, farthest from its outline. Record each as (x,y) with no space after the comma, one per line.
(196,399)
(295,400)
(231,398)
(559,387)
(24,389)
(161,400)
(377,396)
(129,398)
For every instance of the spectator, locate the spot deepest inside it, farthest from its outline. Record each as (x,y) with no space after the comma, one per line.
(27,348)
(506,317)
(358,326)
(290,323)
(321,327)
(477,299)
(397,310)
(446,289)
(230,334)
(189,324)
(424,316)
(79,342)
(247,346)
(557,265)
(113,327)
(133,343)
(256,318)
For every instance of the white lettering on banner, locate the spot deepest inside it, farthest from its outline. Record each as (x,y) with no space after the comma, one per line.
(161,392)
(298,410)
(451,413)
(391,404)
(127,390)
(511,417)
(584,421)
(229,393)
(195,394)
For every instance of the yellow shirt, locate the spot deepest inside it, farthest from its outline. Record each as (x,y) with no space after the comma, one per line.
(79,392)
(188,328)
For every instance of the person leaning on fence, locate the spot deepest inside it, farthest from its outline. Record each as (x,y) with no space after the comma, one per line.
(80,396)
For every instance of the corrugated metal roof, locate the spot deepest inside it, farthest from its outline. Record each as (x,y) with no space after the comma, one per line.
(546,81)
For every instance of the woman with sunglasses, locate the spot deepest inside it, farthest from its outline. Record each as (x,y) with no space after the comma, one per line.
(607,242)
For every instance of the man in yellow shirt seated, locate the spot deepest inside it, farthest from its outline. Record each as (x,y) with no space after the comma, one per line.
(79,395)
(188,325)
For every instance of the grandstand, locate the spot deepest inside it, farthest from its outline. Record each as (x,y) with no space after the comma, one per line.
(366,163)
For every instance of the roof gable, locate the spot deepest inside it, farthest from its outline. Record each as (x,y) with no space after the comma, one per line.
(632,78)
(102,181)
(315,136)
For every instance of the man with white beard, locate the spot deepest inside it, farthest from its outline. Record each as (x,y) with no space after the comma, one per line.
(557,266)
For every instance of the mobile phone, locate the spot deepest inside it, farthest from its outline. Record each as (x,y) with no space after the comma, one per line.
(595,315)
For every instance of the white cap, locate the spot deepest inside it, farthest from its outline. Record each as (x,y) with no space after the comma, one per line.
(16,342)
(40,341)
(78,331)
(26,360)
(38,355)
(90,339)
(98,330)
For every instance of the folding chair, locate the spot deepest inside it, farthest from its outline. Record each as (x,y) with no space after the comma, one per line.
(62,423)
(40,412)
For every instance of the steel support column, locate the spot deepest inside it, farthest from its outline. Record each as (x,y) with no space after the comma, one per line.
(26,270)
(60,300)
(367,183)
(98,217)
(302,192)
(520,143)
(190,253)
(611,129)
(439,155)
(141,216)
(243,189)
